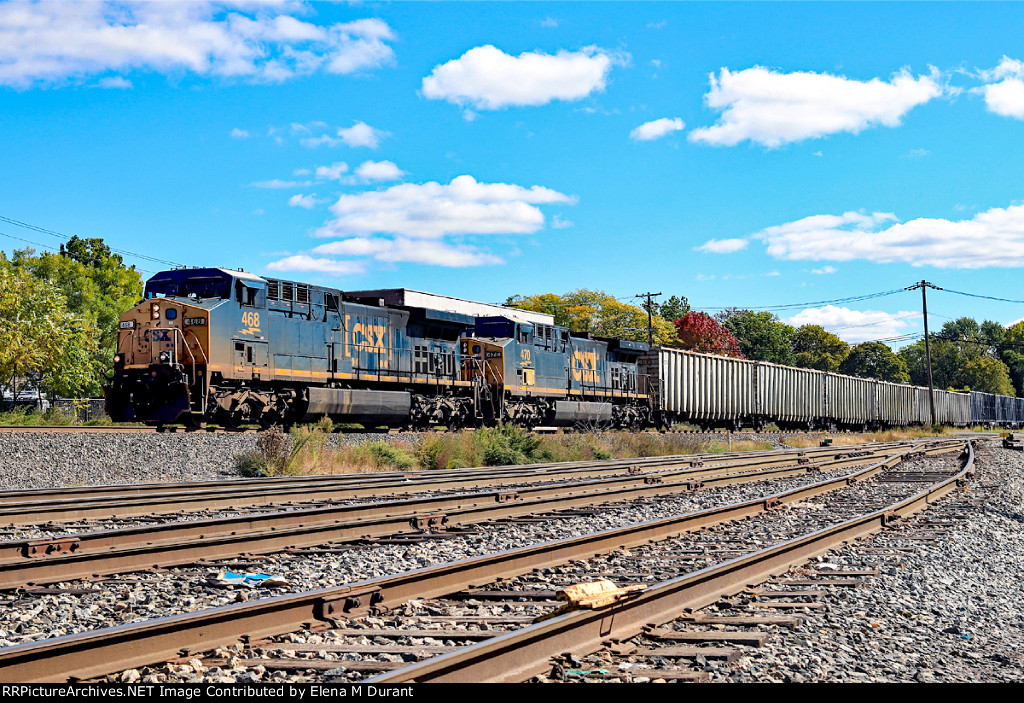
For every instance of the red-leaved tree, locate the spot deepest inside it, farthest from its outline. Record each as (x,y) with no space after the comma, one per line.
(700,333)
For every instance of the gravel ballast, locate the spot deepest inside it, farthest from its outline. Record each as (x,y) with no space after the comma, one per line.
(948,611)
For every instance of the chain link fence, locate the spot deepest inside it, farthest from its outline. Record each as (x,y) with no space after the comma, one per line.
(79,410)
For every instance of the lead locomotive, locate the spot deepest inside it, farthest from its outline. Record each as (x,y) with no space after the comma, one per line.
(223,346)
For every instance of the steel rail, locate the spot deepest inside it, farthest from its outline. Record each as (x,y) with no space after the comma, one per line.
(517,656)
(38,561)
(241,495)
(98,652)
(121,491)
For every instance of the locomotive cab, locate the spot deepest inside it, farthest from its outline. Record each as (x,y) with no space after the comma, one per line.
(164,356)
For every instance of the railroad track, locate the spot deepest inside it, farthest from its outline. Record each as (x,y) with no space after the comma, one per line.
(89,654)
(31,506)
(82,555)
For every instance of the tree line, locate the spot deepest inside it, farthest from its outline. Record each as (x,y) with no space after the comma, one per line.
(58,317)
(966,354)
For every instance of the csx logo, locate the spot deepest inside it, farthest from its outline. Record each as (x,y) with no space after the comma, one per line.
(157,335)
(367,335)
(584,366)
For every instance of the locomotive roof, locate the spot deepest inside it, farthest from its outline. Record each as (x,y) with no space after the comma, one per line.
(447,303)
(244,275)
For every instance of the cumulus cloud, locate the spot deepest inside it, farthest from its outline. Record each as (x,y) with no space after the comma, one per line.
(773,108)
(332,172)
(304,201)
(722,246)
(359,134)
(824,270)
(489,79)
(434,210)
(994,238)
(60,40)
(656,129)
(237,133)
(856,326)
(415,223)
(402,249)
(304,262)
(1005,96)
(379,171)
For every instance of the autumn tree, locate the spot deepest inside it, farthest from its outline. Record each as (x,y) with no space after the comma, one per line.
(699,332)
(597,313)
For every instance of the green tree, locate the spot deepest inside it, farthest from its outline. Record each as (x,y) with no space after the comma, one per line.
(40,339)
(1011,352)
(816,348)
(674,308)
(987,375)
(97,288)
(762,336)
(875,360)
(967,356)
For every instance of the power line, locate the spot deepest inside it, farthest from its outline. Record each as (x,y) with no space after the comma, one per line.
(985,297)
(60,235)
(49,248)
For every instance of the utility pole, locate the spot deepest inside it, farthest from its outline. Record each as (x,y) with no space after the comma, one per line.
(650,321)
(924,286)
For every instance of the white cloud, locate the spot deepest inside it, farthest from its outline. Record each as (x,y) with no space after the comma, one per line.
(237,133)
(559,222)
(304,262)
(332,172)
(433,210)
(1005,96)
(412,223)
(379,171)
(58,41)
(994,238)
(773,108)
(824,270)
(656,129)
(115,82)
(487,78)
(359,134)
(304,201)
(722,246)
(401,249)
(856,326)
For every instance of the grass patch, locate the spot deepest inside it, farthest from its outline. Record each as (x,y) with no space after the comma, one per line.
(896,434)
(310,450)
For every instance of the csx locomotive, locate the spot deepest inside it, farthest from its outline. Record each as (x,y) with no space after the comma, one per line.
(229,347)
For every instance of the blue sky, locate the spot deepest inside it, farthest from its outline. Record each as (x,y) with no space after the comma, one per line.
(749,154)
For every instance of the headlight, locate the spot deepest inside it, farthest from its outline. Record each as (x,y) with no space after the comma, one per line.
(154,310)
(165,358)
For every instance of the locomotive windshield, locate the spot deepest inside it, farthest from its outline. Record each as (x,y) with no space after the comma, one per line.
(180,284)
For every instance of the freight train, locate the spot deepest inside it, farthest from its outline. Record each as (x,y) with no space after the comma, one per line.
(214,345)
